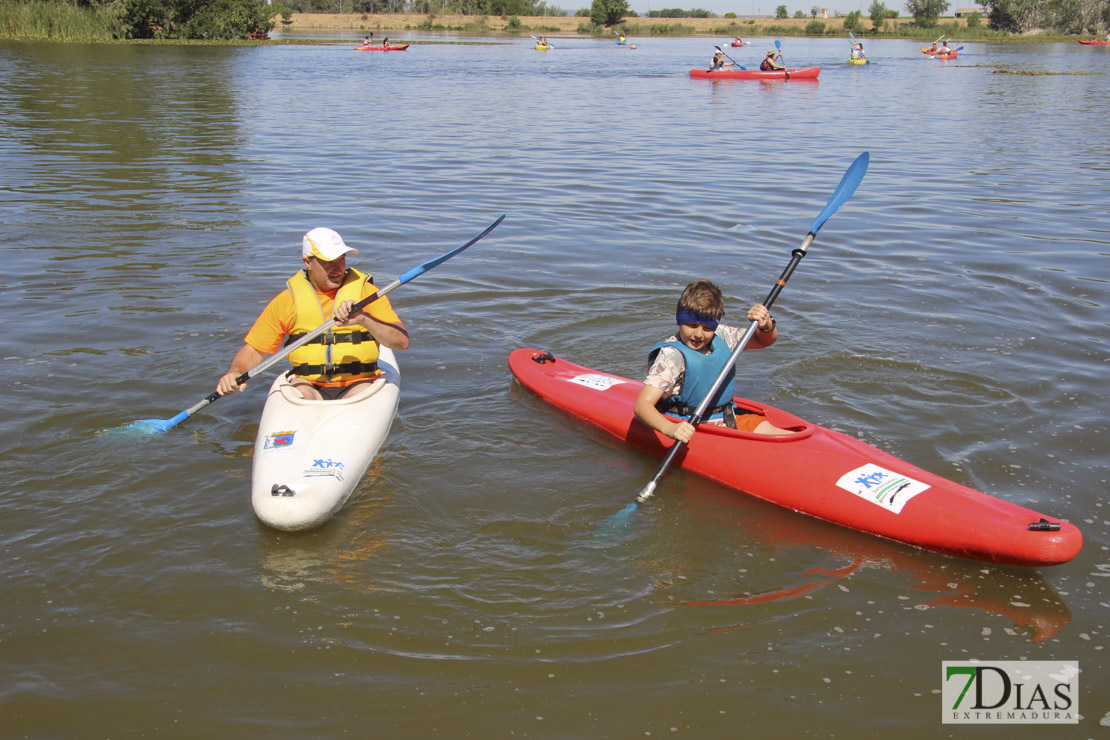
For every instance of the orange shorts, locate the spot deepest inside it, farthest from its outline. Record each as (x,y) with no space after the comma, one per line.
(744,422)
(748,422)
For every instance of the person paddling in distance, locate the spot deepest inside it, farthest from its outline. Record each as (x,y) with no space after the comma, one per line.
(368,40)
(339,360)
(769,64)
(718,61)
(944,48)
(857,51)
(684,366)
(385,43)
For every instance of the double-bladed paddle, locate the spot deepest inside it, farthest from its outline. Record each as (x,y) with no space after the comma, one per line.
(152,426)
(848,184)
(738,64)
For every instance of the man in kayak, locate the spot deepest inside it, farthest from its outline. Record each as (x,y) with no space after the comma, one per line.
(368,40)
(769,64)
(340,359)
(857,51)
(718,61)
(944,48)
(684,366)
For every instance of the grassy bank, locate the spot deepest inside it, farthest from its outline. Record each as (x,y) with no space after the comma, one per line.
(42,21)
(56,21)
(727,27)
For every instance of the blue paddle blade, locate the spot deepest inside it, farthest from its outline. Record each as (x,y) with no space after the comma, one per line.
(843,192)
(422,268)
(152,426)
(616,524)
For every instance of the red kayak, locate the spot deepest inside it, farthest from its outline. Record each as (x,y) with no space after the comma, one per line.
(816,471)
(398,47)
(805,73)
(949,55)
(1095,43)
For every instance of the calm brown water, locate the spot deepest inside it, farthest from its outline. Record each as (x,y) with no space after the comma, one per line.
(952,313)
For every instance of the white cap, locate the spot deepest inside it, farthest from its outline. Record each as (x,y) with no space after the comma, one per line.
(325,244)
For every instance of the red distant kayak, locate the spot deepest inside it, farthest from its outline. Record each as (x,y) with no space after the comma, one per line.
(805,73)
(815,471)
(949,55)
(398,47)
(1095,43)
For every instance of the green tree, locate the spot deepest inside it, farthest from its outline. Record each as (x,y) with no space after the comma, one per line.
(853,23)
(926,12)
(781,12)
(608,12)
(1066,16)
(877,13)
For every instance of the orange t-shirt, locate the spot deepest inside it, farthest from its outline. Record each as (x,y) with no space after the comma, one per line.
(279,317)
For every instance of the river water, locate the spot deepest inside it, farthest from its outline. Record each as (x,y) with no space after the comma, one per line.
(953,312)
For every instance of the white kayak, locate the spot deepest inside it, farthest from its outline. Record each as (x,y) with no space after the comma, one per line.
(310,455)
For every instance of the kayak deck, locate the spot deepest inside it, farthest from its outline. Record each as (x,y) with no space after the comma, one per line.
(310,455)
(802,73)
(398,47)
(816,471)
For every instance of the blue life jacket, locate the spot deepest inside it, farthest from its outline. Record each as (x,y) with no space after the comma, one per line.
(701,371)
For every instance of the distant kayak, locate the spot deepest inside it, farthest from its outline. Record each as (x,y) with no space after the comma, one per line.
(398,47)
(1095,43)
(857,61)
(543,47)
(949,55)
(737,43)
(928,51)
(804,73)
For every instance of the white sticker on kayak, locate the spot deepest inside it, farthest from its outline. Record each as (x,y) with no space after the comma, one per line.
(880,486)
(280,440)
(325,467)
(595,381)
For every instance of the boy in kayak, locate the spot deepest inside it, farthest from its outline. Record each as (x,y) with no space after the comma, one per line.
(684,366)
(769,64)
(340,359)
(857,51)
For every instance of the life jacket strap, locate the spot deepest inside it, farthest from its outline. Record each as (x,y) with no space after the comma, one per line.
(353,337)
(343,368)
(727,411)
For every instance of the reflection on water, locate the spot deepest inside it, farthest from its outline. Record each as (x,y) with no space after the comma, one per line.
(152,200)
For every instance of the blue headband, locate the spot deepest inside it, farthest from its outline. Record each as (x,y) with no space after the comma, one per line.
(686,316)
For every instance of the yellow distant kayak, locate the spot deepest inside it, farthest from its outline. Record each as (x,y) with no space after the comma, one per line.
(857,61)
(543,47)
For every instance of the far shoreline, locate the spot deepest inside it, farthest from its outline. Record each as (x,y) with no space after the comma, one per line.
(516,26)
